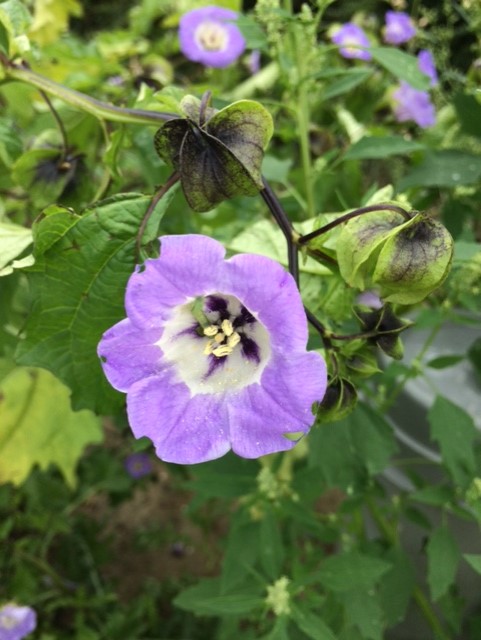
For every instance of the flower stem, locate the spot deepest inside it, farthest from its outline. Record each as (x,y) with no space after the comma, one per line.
(99,109)
(353,214)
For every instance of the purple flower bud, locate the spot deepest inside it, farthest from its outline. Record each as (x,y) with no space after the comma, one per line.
(412,104)
(427,66)
(350,37)
(254,61)
(208,35)
(138,465)
(399,27)
(16,622)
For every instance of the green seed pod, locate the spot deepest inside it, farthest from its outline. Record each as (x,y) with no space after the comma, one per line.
(339,401)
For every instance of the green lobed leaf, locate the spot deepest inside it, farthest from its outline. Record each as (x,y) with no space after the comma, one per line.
(402,65)
(38,426)
(443,559)
(455,432)
(445,168)
(351,570)
(78,286)
(378,147)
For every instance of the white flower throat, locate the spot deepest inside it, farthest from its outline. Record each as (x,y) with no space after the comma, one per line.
(223,348)
(211,36)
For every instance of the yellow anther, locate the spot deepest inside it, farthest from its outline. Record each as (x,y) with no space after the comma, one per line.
(227,327)
(233,340)
(219,337)
(211,331)
(222,351)
(209,348)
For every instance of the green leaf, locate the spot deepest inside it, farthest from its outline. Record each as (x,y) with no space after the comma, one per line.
(396,586)
(207,599)
(474,355)
(10,142)
(351,570)
(436,495)
(372,438)
(78,286)
(445,168)
(468,110)
(455,432)
(363,610)
(14,239)
(443,362)
(251,30)
(349,80)
(443,559)
(375,147)
(37,426)
(240,555)
(474,560)
(311,624)
(270,542)
(402,65)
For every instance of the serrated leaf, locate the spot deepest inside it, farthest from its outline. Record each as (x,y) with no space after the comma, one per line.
(378,147)
(351,570)
(14,239)
(37,426)
(363,610)
(443,559)
(396,586)
(372,438)
(455,432)
(312,625)
(78,285)
(207,599)
(445,168)
(402,65)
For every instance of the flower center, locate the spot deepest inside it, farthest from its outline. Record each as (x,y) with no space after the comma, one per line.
(215,344)
(211,36)
(8,621)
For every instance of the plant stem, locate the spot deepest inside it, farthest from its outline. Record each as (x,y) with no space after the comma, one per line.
(353,214)
(99,109)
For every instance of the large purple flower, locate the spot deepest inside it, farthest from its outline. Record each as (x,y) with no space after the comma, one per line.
(411,104)
(350,37)
(208,35)
(212,354)
(399,27)
(16,622)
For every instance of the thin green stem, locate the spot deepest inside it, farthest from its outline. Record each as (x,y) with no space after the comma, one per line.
(353,214)
(99,109)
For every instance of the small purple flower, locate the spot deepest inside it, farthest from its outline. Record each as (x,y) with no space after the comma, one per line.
(350,37)
(427,66)
(254,61)
(138,465)
(399,27)
(208,35)
(412,104)
(16,622)
(212,354)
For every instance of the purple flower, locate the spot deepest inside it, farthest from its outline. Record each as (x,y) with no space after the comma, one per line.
(399,27)
(212,354)
(412,104)
(138,465)
(427,66)
(209,36)
(254,61)
(350,37)
(16,622)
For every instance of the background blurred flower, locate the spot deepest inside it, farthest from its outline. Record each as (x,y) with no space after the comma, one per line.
(16,622)
(208,35)
(213,355)
(412,104)
(138,465)
(350,37)
(399,27)
(427,66)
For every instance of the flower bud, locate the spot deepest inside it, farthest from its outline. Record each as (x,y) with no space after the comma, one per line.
(339,401)
(385,328)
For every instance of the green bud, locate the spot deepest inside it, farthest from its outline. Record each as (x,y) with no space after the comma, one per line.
(363,363)
(339,400)
(385,328)
(218,154)
(414,260)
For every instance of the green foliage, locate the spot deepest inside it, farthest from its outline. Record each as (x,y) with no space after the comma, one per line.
(443,560)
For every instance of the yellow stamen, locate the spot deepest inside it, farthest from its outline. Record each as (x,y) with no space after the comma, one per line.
(211,331)
(222,351)
(219,337)
(209,348)
(227,327)
(233,340)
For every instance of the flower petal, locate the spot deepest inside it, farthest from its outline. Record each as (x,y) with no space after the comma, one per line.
(282,403)
(128,354)
(270,292)
(184,429)
(188,266)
